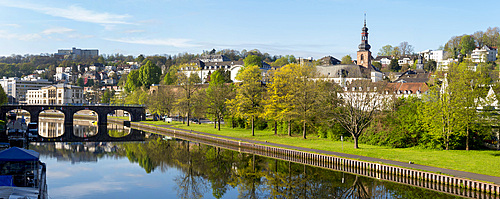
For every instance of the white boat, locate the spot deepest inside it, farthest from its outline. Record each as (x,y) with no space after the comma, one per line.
(22,175)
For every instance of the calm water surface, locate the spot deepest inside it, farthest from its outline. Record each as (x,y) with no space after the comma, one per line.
(159,168)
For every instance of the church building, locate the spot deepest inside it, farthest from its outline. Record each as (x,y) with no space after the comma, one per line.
(344,74)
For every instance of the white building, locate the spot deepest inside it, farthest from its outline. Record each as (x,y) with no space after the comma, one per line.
(405,61)
(203,69)
(56,94)
(384,60)
(67,77)
(436,55)
(16,88)
(74,53)
(484,54)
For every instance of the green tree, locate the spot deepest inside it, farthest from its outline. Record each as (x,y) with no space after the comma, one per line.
(279,104)
(3,97)
(217,94)
(149,74)
(280,62)
(79,82)
(466,87)
(377,65)
(133,81)
(248,100)
(252,60)
(307,96)
(139,58)
(107,96)
(162,100)
(346,60)
(187,85)
(430,65)
(170,78)
(467,44)
(386,50)
(394,66)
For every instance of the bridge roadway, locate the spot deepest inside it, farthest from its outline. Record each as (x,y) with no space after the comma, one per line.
(137,112)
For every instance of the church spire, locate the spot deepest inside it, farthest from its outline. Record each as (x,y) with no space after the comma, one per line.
(364,38)
(364,54)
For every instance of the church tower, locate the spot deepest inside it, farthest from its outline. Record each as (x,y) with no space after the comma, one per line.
(364,54)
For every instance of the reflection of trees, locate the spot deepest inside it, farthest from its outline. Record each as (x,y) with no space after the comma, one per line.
(206,168)
(191,183)
(357,190)
(249,177)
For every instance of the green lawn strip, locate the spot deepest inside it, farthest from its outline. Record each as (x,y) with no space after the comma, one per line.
(475,161)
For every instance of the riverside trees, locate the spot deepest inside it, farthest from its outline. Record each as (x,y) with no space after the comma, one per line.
(248,100)
(217,94)
(296,101)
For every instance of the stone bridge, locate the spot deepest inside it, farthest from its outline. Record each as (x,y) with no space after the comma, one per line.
(137,112)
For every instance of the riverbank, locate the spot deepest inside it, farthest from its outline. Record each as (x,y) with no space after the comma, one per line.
(453,163)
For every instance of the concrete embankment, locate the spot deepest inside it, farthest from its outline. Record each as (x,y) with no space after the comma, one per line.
(464,186)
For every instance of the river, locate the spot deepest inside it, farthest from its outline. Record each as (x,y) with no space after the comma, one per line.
(159,168)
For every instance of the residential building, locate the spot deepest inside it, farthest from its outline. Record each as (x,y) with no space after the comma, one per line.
(329,60)
(436,55)
(65,77)
(214,58)
(94,68)
(407,89)
(484,54)
(74,53)
(16,88)
(56,94)
(383,60)
(110,68)
(204,69)
(407,60)
(109,82)
(412,76)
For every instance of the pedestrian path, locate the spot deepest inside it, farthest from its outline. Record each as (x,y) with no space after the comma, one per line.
(456,173)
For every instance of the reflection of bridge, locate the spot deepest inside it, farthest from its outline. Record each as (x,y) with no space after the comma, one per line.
(101,136)
(137,113)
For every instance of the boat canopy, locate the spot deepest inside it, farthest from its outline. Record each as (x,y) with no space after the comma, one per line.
(19,154)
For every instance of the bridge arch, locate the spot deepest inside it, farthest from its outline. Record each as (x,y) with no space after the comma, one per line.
(118,131)
(50,123)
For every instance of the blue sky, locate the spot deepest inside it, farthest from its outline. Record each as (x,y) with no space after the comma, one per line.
(314,28)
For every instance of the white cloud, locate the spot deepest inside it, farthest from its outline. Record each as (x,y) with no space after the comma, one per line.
(57,31)
(12,25)
(84,189)
(180,43)
(134,31)
(24,37)
(72,12)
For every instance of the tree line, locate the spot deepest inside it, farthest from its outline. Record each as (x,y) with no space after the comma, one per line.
(293,100)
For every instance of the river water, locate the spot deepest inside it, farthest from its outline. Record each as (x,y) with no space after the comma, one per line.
(159,168)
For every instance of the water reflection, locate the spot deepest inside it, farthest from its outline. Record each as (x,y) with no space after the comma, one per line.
(51,128)
(202,171)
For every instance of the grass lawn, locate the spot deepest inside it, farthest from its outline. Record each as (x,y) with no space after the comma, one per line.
(483,161)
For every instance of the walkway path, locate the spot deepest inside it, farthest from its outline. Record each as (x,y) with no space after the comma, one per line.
(461,174)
